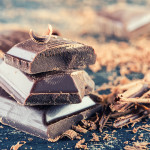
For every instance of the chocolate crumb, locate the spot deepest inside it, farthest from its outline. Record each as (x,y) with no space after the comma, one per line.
(114,131)
(140,136)
(106,137)
(126,142)
(134,130)
(137,145)
(79,144)
(93,126)
(18,145)
(85,123)
(89,124)
(95,137)
(54,140)
(133,138)
(30,139)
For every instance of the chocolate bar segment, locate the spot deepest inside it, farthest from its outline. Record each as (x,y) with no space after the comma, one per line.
(46,88)
(44,121)
(124,21)
(57,54)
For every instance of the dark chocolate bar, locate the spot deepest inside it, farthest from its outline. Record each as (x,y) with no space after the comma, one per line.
(44,121)
(49,88)
(124,21)
(58,54)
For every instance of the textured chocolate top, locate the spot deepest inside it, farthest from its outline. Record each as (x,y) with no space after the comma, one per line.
(58,54)
(29,49)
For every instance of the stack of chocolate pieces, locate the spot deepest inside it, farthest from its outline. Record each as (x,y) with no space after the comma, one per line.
(49,85)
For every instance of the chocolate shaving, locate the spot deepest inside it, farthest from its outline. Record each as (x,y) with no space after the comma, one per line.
(119,114)
(112,54)
(135,90)
(146,95)
(41,39)
(97,118)
(85,123)
(79,144)
(93,126)
(71,134)
(131,118)
(126,142)
(140,136)
(79,129)
(143,127)
(137,145)
(105,116)
(18,145)
(133,138)
(119,107)
(95,137)
(54,140)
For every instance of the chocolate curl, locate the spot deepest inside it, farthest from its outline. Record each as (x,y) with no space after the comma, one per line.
(119,114)
(41,39)
(71,134)
(79,129)
(131,118)
(80,145)
(105,116)
(134,100)
(54,140)
(135,91)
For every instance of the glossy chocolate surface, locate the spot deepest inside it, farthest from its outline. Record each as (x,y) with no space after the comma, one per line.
(38,120)
(47,88)
(57,54)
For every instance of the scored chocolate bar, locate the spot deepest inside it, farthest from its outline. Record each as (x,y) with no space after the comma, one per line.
(124,21)
(58,54)
(54,88)
(47,122)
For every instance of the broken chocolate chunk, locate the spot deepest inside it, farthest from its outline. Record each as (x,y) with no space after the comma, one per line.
(46,88)
(57,54)
(47,122)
